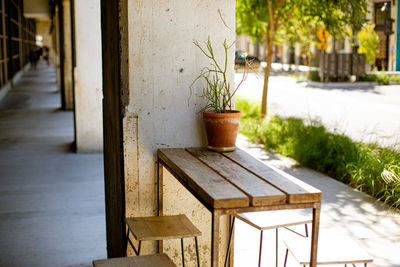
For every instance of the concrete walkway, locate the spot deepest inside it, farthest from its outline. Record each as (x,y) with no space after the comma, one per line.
(344,211)
(51,200)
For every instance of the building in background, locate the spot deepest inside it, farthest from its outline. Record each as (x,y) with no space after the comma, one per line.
(384,14)
(17,39)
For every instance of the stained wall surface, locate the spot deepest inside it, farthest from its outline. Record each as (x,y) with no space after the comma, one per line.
(162,63)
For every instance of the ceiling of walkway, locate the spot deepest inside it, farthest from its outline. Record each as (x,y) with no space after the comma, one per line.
(36,9)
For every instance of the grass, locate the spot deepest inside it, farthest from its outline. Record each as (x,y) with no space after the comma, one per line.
(369,168)
(312,76)
(381,78)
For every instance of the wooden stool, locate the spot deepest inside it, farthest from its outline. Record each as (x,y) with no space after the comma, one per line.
(161,260)
(332,249)
(162,228)
(270,220)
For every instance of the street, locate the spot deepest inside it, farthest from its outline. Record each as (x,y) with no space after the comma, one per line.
(364,113)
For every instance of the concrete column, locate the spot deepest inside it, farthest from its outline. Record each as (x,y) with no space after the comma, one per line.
(67,56)
(162,63)
(57,48)
(88,77)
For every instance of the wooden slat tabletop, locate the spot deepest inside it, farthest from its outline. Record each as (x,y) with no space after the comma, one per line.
(259,192)
(296,190)
(235,179)
(214,190)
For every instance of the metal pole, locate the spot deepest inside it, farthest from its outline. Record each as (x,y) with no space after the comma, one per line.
(398,38)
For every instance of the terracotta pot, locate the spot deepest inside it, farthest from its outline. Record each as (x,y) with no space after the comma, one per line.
(221,129)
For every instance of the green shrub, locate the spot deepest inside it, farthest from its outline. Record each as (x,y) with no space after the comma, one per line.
(249,109)
(381,78)
(314,76)
(367,167)
(369,40)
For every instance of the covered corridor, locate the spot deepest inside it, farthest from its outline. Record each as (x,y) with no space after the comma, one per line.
(51,199)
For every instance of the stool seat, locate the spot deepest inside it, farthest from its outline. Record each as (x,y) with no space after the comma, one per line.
(159,260)
(266,220)
(333,248)
(161,227)
(274,219)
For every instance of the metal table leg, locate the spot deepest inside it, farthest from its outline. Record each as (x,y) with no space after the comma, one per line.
(215,239)
(315,232)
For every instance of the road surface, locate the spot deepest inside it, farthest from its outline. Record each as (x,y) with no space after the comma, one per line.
(365,113)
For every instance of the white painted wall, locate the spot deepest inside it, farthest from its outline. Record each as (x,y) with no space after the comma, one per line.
(88,77)
(163,62)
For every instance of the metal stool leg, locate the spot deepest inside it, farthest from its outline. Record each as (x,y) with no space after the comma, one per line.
(229,242)
(306,230)
(137,252)
(287,251)
(276,247)
(140,245)
(197,251)
(127,238)
(183,253)
(261,241)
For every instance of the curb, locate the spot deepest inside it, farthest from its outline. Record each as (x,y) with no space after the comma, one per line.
(331,85)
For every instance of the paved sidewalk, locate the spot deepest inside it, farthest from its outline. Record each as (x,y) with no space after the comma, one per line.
(344,210)
(51,199)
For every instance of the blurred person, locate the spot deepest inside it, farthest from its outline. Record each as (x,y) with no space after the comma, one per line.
(34,56)
(46,55)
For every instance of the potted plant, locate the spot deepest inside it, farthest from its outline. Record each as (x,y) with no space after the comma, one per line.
(220,119)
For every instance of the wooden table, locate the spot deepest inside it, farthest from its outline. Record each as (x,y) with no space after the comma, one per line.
(235,182)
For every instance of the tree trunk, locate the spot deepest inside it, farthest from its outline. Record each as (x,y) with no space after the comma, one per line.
(266,79)
(272,27)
